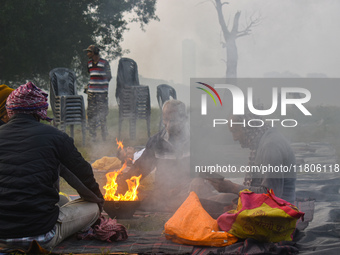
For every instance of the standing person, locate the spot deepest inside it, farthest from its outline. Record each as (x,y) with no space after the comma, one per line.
(4,93)
(31,154)
(97,91)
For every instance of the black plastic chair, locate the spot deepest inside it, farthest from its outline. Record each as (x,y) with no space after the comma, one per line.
(133,99)
(67,106)
(164,93)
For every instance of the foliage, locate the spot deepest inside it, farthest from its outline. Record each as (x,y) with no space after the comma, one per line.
(39,35)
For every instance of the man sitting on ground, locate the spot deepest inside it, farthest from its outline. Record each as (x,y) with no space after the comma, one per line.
(31,154)
(268,147)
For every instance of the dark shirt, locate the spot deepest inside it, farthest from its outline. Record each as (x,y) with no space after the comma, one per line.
(30,155)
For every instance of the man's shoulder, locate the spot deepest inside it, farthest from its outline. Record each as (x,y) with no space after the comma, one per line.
(103,61)
(33,128)
(155,138)
(49,130)
(273,135)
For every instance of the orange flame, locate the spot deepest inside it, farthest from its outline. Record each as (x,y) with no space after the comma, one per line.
(120,144)
(112,186)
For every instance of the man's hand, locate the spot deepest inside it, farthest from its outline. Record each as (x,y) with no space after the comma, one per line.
(224,186)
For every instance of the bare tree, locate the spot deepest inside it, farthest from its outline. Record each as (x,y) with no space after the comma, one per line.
(230,36)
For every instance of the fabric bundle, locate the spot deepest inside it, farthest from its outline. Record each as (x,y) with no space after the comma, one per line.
(192,225)
(105,229)
(263,217)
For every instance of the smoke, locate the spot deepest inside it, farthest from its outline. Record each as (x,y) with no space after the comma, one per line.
(295,36)
(294,39)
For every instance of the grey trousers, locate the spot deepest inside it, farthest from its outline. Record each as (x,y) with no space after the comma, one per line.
(74,216)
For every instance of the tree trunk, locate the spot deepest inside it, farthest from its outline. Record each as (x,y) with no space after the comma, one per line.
(229,39)
(232,58)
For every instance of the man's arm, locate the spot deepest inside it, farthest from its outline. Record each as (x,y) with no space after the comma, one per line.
(82,190)
(146,162)
(270,156)
(227,186)
(142,166)
(78,167)
(108,71)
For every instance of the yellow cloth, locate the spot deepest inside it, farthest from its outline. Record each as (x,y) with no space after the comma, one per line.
(107,163)
(263,217)
(4,93)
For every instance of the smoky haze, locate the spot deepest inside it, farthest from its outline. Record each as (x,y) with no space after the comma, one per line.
(294,38)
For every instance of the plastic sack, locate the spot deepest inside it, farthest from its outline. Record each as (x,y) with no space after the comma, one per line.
(192,225)
(263,217)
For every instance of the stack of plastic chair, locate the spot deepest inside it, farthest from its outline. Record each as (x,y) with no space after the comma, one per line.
(133,99)
(164,93)
(67,106)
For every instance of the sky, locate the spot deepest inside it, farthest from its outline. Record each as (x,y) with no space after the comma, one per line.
(296,36)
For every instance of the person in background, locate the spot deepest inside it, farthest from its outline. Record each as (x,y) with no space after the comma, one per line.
(97,91)
(31,154)
(268,147)
(4,93)
(169,153)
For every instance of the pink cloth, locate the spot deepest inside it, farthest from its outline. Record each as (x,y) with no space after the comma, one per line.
(105,230)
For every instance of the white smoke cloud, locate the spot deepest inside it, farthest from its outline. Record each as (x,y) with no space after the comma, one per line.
(298,36)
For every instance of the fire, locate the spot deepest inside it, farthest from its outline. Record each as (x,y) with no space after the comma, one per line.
(112,186)
(120,144)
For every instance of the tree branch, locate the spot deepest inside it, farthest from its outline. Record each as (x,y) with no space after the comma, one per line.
(202,2)
(247,30)
(234,30)
(221,19)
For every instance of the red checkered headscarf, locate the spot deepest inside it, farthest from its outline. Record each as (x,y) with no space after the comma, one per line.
(28,99)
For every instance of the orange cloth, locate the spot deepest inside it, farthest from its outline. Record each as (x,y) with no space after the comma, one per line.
(192,225)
